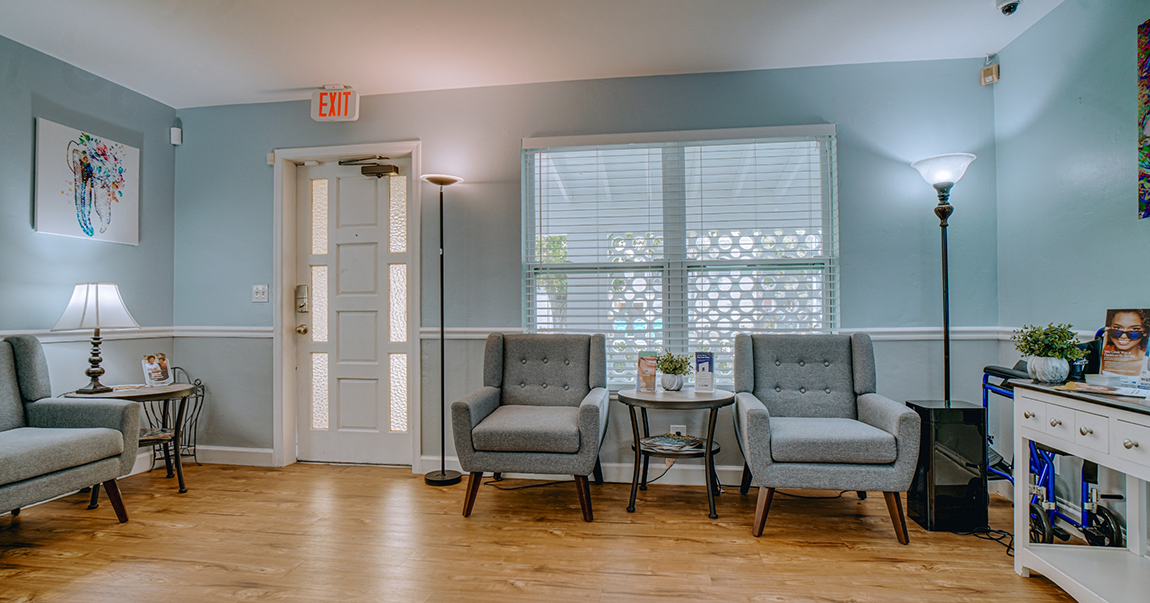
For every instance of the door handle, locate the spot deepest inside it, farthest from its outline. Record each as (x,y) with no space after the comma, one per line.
(1055,422)
(1026,414)
(302,329)
(1128,444)
(1084,430)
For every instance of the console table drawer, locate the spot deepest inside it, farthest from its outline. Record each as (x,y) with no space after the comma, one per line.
(1033,413)
(1132,442)
(1060,422)
(1092,431)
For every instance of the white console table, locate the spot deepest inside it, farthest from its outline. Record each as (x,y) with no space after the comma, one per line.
(1113,432)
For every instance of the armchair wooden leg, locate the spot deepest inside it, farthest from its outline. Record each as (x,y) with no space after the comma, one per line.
(761,509)
(745,485)
(862,494)
(474,481)
(114,497)
(584,488)
(598,473)
(897,517)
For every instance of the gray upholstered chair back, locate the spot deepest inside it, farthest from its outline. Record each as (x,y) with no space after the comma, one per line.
(544,369)
(806,375)
(32,367)
(11,406)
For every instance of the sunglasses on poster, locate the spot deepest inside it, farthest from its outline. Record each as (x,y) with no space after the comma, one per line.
(1131,335)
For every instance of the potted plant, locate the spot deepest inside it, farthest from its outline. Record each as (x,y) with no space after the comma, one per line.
(673,368)
(1048,351)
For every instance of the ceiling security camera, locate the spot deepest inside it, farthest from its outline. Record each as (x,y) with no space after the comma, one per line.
(1007,6)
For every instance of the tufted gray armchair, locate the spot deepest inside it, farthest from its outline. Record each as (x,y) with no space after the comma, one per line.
(807,416)
(542,409)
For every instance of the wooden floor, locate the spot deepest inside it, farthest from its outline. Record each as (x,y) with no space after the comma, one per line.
(345,533)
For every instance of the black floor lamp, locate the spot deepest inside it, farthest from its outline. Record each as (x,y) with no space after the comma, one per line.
(443,477)
(941,172)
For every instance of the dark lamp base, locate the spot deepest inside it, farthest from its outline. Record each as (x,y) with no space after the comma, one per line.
(442,478)
(95,387)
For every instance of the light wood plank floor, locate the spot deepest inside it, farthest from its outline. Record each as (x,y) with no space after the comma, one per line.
(346,533)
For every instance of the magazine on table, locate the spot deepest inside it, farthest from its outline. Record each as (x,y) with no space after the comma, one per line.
(672,442)
(1124,346)
(704,372)
(156,371)
(1090,388)
(648,362)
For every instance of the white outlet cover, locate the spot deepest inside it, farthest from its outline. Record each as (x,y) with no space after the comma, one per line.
(259,294)
(679,429)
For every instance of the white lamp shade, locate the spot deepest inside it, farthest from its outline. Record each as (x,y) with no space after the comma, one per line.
(95,306)
(441,179)
(943,168)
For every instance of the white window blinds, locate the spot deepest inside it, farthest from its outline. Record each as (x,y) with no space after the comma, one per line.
(680,244)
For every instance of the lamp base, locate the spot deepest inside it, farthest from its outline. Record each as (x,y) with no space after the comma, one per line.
(95,387)
(442,478)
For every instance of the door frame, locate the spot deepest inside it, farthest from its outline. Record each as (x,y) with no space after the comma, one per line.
(284,369)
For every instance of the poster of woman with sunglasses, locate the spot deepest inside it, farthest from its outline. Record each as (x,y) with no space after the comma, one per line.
(1124,349)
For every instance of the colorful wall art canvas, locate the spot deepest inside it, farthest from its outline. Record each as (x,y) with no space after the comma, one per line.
(86,186)
(1144,120)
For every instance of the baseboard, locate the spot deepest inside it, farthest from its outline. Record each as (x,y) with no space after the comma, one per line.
(681,474)
(229,455)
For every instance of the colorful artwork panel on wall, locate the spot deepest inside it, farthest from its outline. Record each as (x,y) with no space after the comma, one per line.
(1144,120)
(86,186)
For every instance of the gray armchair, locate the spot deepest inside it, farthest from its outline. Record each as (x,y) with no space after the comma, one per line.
(807,416)
(542,409)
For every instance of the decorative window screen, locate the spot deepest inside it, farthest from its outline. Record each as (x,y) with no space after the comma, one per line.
(680,244)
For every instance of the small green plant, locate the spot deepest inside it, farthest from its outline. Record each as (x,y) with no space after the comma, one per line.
(670,364)
(1052,341)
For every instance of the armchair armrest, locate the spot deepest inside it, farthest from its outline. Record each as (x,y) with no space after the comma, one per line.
(466,413)
(892,417)
(753,431)
(593,415)
(121,415)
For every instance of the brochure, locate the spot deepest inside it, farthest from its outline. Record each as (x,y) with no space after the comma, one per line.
(1124,346)
(647,370)
(704,372)
(1072,386)
(156,370)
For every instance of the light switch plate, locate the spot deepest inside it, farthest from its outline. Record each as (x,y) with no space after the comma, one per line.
(259,294)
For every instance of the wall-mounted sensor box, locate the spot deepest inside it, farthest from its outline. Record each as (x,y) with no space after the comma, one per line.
(177,136)
(990,74)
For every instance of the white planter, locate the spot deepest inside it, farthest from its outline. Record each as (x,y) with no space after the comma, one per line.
(672,383)
(1047,370)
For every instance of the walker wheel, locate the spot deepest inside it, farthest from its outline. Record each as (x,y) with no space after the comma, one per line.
(1104,530)
(1041,531)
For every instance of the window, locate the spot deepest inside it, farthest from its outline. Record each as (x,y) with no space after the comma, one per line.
(679,240)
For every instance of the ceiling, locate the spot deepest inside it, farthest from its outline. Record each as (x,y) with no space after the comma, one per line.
(191,53)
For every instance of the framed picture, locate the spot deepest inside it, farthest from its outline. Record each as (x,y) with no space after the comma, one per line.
(86,186)
(156,370)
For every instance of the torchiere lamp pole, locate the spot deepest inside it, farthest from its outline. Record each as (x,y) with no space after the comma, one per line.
(941,172)
(443,477)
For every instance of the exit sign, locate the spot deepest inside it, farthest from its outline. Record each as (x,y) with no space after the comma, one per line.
(335,105)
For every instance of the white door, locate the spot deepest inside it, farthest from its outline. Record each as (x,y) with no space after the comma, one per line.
(356,249)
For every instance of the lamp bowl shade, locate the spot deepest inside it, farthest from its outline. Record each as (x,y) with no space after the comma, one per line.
(441,179)
(95,306)
(943,168)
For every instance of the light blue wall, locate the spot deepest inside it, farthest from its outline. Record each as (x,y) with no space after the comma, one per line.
(887,116)
(1070,243)
(38,271)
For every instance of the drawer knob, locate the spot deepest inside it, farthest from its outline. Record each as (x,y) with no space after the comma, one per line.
(1026,414)
(1128,444)
(1085,430)
(1055,422)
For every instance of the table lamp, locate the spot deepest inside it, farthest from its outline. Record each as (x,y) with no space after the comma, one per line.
(95,306)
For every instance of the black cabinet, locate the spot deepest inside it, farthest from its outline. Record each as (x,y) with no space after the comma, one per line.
(949,487)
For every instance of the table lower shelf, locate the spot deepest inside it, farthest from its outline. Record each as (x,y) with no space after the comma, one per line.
(693,453)
(1091,573)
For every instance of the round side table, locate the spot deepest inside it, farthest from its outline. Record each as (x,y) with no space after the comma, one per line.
(687,399)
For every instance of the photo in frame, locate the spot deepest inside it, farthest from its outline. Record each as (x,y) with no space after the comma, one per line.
(87,186)
(156,371)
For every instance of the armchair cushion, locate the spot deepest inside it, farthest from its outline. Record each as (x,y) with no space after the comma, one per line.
(29,452)
(518,428)
(808,440)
